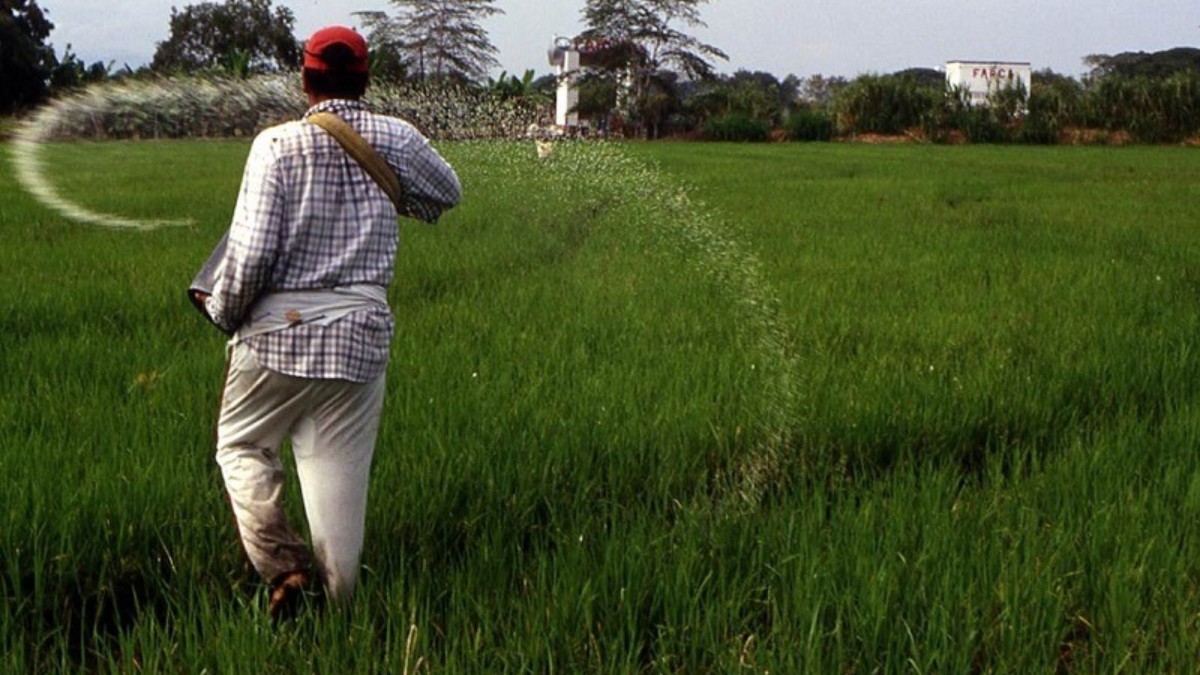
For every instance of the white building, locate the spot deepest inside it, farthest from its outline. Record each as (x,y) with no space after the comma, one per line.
(569,56)
(565,59)
(982,78)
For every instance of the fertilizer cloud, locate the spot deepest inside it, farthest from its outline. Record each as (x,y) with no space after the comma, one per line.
(196,107)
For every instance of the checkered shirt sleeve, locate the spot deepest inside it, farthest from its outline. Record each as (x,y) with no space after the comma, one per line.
(309,217)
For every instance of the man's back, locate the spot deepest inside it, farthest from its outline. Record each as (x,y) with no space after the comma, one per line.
(309,217)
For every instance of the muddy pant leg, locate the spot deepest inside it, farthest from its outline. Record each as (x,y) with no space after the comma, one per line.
(333,447)
(258,409)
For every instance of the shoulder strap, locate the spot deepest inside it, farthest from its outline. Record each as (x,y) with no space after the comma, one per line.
(362,152)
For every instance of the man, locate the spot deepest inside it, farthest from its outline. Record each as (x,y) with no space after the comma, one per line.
(303,282)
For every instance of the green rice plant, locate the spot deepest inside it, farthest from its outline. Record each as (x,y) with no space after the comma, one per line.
(944,310)
(655,407)
(546,402)
(736,128)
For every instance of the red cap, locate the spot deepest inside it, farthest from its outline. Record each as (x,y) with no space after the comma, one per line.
(314,49)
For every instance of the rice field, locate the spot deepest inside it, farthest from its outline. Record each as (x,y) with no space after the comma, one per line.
(652,408)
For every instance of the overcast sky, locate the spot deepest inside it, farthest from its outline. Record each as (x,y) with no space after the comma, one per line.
(828,37)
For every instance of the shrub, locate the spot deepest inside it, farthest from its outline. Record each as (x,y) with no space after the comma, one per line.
(1044,121)
(954,118)
(739,128)
(808,124)
(1152,110)
(981,124)
(1053,107)
(885,104)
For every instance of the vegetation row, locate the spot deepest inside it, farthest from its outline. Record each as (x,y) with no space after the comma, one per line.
(864,410)
(651,80)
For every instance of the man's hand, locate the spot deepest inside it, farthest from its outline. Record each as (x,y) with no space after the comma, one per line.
(200,297)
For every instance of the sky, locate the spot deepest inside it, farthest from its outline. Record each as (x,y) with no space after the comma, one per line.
(782,37)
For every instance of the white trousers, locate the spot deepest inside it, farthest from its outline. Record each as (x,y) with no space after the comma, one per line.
(332,425)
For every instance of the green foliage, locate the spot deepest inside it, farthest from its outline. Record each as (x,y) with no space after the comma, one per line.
(72,72)
(992,122)
(821,91)
(756,95)
(885,104)
(511,86)
(237,37)
(597,96)
(923,77)
(652,25)
(955,114)
(438,40)
(1152,110)
(522,91)
(656,54)
(493,441)
(26,61)
(736,127)
(996,225)
(660,100)
(985,358)
(237,63)
(388,60)
(809,124)
(1055,104)
(1043,124)
(1156,65)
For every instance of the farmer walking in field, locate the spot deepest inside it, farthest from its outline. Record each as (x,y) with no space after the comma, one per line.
(302,286)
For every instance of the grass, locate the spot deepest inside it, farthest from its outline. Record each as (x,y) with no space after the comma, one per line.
(1009,287)
(835,409)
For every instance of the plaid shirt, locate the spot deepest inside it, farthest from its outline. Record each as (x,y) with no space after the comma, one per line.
(309,217)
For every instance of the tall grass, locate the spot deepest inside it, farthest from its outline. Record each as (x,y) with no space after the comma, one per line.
(830,409)
(1147,110)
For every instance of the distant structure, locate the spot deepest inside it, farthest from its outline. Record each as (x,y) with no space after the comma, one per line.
(981,78)
(565,59)
(569,55)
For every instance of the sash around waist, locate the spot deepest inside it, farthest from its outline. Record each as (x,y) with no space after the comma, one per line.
(321,307)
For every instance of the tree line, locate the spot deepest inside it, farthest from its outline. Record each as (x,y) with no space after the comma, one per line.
(652,79)
(1142,97)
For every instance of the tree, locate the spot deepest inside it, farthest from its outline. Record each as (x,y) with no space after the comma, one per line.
(654,45)
(924,77)
(437,39)
(239,36)
(819,91)
(753,95)
(71,71)
(1055,103)
(536,91)
(25,60)
(387,60)
(887,104)
(597,96)
(1154,65)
